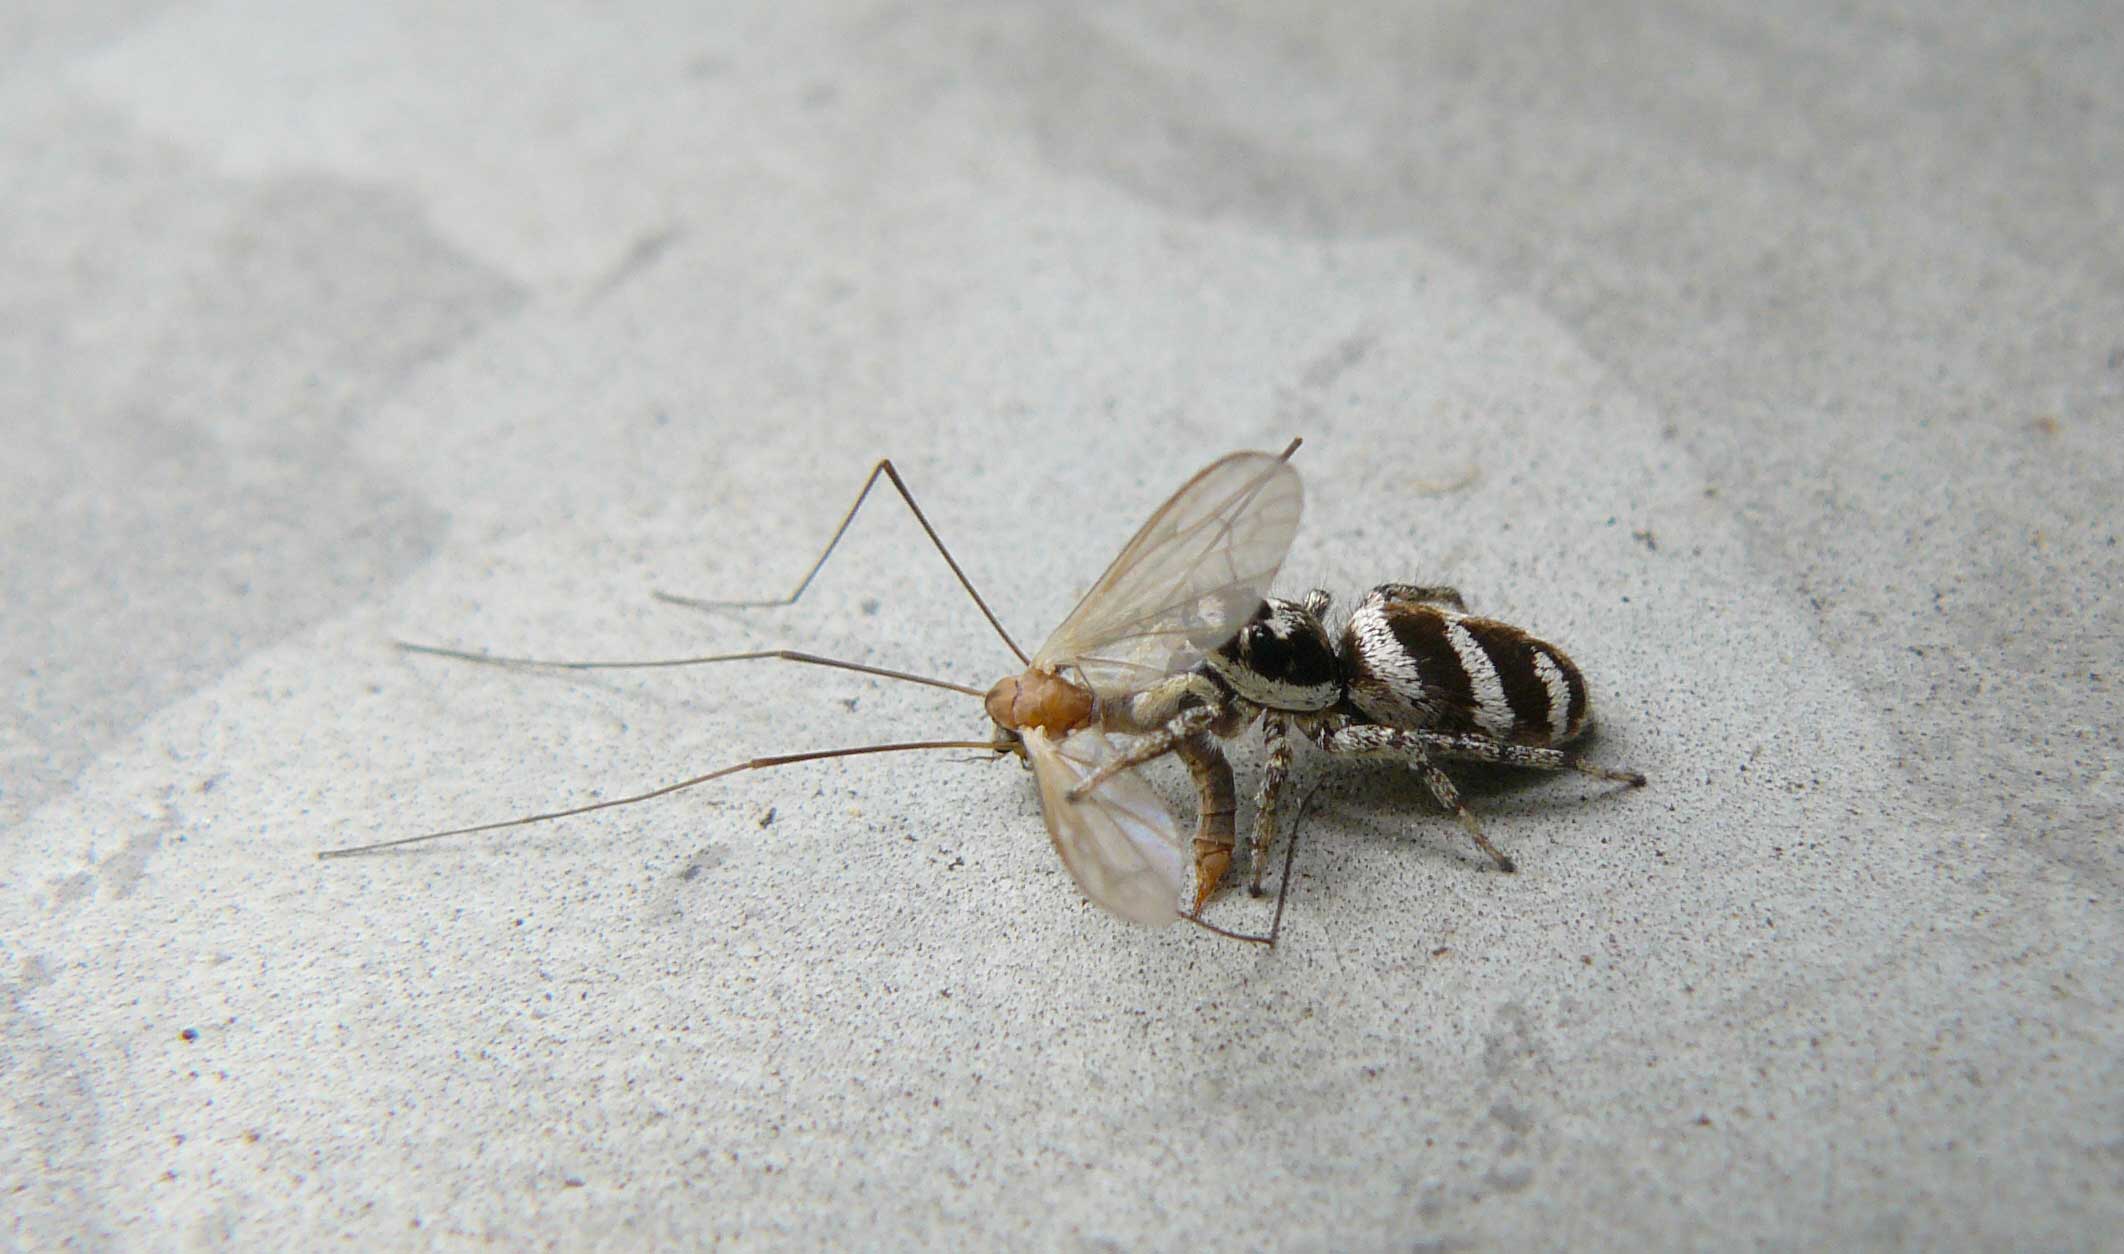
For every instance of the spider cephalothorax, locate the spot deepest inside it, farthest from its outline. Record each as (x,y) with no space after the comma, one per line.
(1283,659)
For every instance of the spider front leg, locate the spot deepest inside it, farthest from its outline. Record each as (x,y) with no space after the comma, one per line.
(1158,705)
(1167,739)
(1275,768)
(1189,736)
(1372,740)
(1192,736)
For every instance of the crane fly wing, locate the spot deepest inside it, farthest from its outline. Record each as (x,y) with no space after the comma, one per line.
(1188,580)
(1119,841)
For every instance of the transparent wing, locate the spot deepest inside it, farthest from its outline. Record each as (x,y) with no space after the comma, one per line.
(1119,841)
(1188,580)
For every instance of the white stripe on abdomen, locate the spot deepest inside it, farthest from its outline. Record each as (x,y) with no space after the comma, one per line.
(1493,713)
(1552,678)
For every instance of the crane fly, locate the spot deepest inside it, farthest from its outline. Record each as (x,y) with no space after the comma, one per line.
(1191,577)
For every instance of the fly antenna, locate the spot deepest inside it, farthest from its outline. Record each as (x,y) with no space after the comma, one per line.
(1291,448)
(755,764)
(785,655)
(887,469)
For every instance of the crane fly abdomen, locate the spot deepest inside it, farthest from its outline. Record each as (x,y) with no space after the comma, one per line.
(1039,699)
(1216,810)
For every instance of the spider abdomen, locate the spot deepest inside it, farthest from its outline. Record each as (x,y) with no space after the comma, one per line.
(1422,665)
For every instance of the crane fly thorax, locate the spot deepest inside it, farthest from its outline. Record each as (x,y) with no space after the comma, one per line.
(1040,699)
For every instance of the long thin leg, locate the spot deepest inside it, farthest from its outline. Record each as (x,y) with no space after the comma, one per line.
(786,655)
(755,764)
(1374,740)
(887,469)
(1275,768)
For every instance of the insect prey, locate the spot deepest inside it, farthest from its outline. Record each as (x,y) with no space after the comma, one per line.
(1192,576)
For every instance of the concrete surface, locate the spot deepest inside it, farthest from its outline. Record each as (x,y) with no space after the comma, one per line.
(1774,364)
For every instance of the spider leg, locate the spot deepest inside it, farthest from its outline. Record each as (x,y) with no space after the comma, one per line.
(1474,748)
(1275,769)
(1414,748)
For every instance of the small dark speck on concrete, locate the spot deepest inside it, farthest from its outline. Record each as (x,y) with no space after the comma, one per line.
(571,1182)
(767,818)
(870,606)
(1647,539)
(851,703)
(190,1034)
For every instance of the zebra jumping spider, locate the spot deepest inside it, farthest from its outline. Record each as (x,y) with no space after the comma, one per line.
(1412,676)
